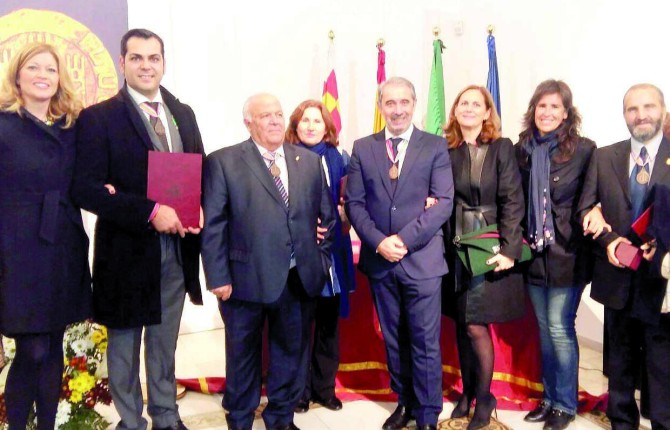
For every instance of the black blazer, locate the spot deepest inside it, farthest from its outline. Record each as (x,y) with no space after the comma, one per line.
(249,230)
(112,148)
(607,184)
(45,282)
(568,262)
(500,188)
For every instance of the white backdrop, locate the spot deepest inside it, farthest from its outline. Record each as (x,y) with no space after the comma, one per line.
(217,54)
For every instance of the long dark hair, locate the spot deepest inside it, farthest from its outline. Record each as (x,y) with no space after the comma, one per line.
(568,131)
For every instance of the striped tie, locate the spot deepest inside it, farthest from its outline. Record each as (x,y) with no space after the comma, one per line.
(154,119)
(270,158)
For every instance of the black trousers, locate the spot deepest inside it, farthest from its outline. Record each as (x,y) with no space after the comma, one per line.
(288,322)
(629,341)
(325,357)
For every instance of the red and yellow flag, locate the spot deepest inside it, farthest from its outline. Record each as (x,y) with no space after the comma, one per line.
(379,122)
(330,97)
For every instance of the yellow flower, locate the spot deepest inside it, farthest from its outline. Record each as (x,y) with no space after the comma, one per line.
(75,397)
(81,383)
(103,346)
(97,337)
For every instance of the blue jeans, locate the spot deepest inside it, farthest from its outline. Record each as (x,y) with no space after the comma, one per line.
(556,310)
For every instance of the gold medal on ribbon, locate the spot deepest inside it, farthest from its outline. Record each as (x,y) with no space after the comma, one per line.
(274,170)
(642,177)
(393,172)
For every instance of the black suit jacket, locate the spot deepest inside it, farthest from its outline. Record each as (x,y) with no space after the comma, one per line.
(607,183)
(249,230)
(112,148)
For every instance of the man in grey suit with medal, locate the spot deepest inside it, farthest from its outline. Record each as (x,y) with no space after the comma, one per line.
(262,203)
(391,174)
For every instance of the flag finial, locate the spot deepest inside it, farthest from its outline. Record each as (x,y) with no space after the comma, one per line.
(436,32)
(490,29)
(380,42)
(331,35)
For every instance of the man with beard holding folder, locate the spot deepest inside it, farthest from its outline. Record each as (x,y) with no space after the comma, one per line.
(622,177)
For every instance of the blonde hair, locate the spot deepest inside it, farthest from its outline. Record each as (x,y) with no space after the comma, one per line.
(65,103)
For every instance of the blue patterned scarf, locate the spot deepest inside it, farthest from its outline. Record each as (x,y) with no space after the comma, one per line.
(540,218)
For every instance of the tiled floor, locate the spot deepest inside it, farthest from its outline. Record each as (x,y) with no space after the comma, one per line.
(202,354)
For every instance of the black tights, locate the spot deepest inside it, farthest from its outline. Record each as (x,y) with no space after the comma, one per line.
(475,353)
(35,376)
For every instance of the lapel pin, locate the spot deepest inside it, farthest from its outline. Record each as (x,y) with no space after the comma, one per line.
(298,158)
(667,161)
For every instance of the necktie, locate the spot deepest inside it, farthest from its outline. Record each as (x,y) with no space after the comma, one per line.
(152,109)
(395,142)
(270,158)
(638,190)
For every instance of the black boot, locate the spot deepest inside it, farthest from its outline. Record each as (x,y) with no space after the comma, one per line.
(558,420)
(539,414)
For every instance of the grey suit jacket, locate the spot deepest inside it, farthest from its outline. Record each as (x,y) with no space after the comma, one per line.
(249,232)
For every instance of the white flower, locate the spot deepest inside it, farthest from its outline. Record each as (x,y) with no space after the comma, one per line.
(76,331)
(63,413)
(101,369)
(79,347)
(10,347)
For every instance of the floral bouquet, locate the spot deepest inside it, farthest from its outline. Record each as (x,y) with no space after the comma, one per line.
(84,377)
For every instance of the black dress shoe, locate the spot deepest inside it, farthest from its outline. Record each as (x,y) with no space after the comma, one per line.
(302,406)
(179,425)
(334,404)
(539,414)
(398,419)
(427,427)
(558,420)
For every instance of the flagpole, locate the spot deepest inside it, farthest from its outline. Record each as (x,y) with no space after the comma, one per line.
(435,113)
(379,123)
(330,96)
(492,81)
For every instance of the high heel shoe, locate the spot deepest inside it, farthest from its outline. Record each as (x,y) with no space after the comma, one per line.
(462,408)
(483,408)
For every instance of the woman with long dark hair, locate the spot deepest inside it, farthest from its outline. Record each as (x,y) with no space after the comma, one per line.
(553,158)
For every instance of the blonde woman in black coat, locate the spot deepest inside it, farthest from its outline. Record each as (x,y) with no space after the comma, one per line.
(44,273)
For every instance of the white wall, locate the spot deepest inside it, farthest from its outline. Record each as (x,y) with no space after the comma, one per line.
(218,54)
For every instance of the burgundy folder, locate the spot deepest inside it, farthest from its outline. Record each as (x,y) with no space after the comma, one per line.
(174,179)
(642,223)
(628,255)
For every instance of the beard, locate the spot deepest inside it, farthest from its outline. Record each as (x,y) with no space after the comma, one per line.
(643,135)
